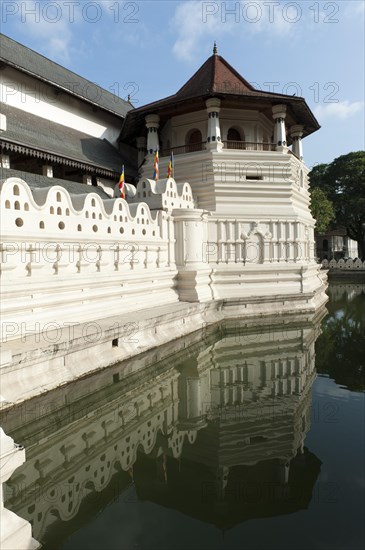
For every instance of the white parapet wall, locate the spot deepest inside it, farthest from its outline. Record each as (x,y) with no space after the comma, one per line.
(77,258)
(344,265)
(15,532)
(82,276)
(164,194)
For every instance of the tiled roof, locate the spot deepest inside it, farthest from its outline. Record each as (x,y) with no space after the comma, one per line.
(26,60)
(216,75)
(35,181)
(44,136)
(217,78)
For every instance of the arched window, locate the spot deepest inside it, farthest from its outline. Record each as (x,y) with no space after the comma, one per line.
(235,140)
(233,135)
(194,140)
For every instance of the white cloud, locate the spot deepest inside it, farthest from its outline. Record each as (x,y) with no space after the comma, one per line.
(342,109)
(195,21)
(355,9)
(50,27)
(191,26)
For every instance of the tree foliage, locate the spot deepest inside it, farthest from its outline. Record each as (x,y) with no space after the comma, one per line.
(343,182)
(322,209)
(338,349)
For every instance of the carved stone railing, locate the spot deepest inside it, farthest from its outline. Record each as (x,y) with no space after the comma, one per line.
(249,145)
(354,265)
(237,145)
(182,149)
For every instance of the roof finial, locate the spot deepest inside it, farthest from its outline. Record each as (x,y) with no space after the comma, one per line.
(215,49)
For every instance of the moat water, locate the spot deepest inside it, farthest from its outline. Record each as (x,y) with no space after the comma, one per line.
(250,436)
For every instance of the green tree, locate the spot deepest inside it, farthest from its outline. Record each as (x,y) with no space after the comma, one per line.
(343,182)
(322,209)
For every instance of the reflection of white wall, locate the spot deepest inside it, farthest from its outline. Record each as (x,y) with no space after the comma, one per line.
(352,249)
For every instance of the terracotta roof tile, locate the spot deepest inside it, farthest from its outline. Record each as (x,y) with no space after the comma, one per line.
(216,75)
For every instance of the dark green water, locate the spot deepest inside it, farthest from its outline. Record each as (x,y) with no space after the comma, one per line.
(251,436)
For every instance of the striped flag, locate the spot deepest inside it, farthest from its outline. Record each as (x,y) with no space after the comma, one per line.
(155,167)
(170,167)
(121,184)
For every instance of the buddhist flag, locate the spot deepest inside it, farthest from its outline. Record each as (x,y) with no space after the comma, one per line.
(170,167)
(155,167)
(121,184)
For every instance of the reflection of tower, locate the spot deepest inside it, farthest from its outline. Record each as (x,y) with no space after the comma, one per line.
(256,394)
(221,481)
(193,386)
(201,432)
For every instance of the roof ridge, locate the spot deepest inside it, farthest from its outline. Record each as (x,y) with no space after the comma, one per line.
(215,60)
(236,74)
(7,41)
(2,35)
(193,76)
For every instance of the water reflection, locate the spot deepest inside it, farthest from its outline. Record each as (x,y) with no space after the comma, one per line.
(340,350)
(216,431)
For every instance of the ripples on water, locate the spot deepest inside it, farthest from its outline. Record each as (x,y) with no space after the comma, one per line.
(250,436)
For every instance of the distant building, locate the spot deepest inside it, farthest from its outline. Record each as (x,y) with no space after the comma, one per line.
(336,244)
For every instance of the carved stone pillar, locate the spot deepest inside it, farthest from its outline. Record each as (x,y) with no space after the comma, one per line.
(296,133)
(141,148)
(279,114)
(190,253)
(214,140)
(152,124)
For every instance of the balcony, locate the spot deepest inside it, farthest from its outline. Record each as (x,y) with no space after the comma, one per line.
(249,146)
(182,149)
(237,145)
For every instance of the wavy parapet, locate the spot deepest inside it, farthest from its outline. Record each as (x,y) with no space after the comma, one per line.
(164,194)
(349,264)
(54,212)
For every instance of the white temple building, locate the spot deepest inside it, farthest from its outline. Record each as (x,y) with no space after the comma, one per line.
(231,235)
(89,279)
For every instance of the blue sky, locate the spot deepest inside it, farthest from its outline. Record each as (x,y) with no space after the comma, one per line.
(149,49)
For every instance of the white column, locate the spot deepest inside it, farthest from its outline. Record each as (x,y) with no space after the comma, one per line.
(47,170)
(4,161)
(2,123)
(279,114)
(141,148)
(152,124)
(193,281)
(214,140)
(86,178)
(296,133)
